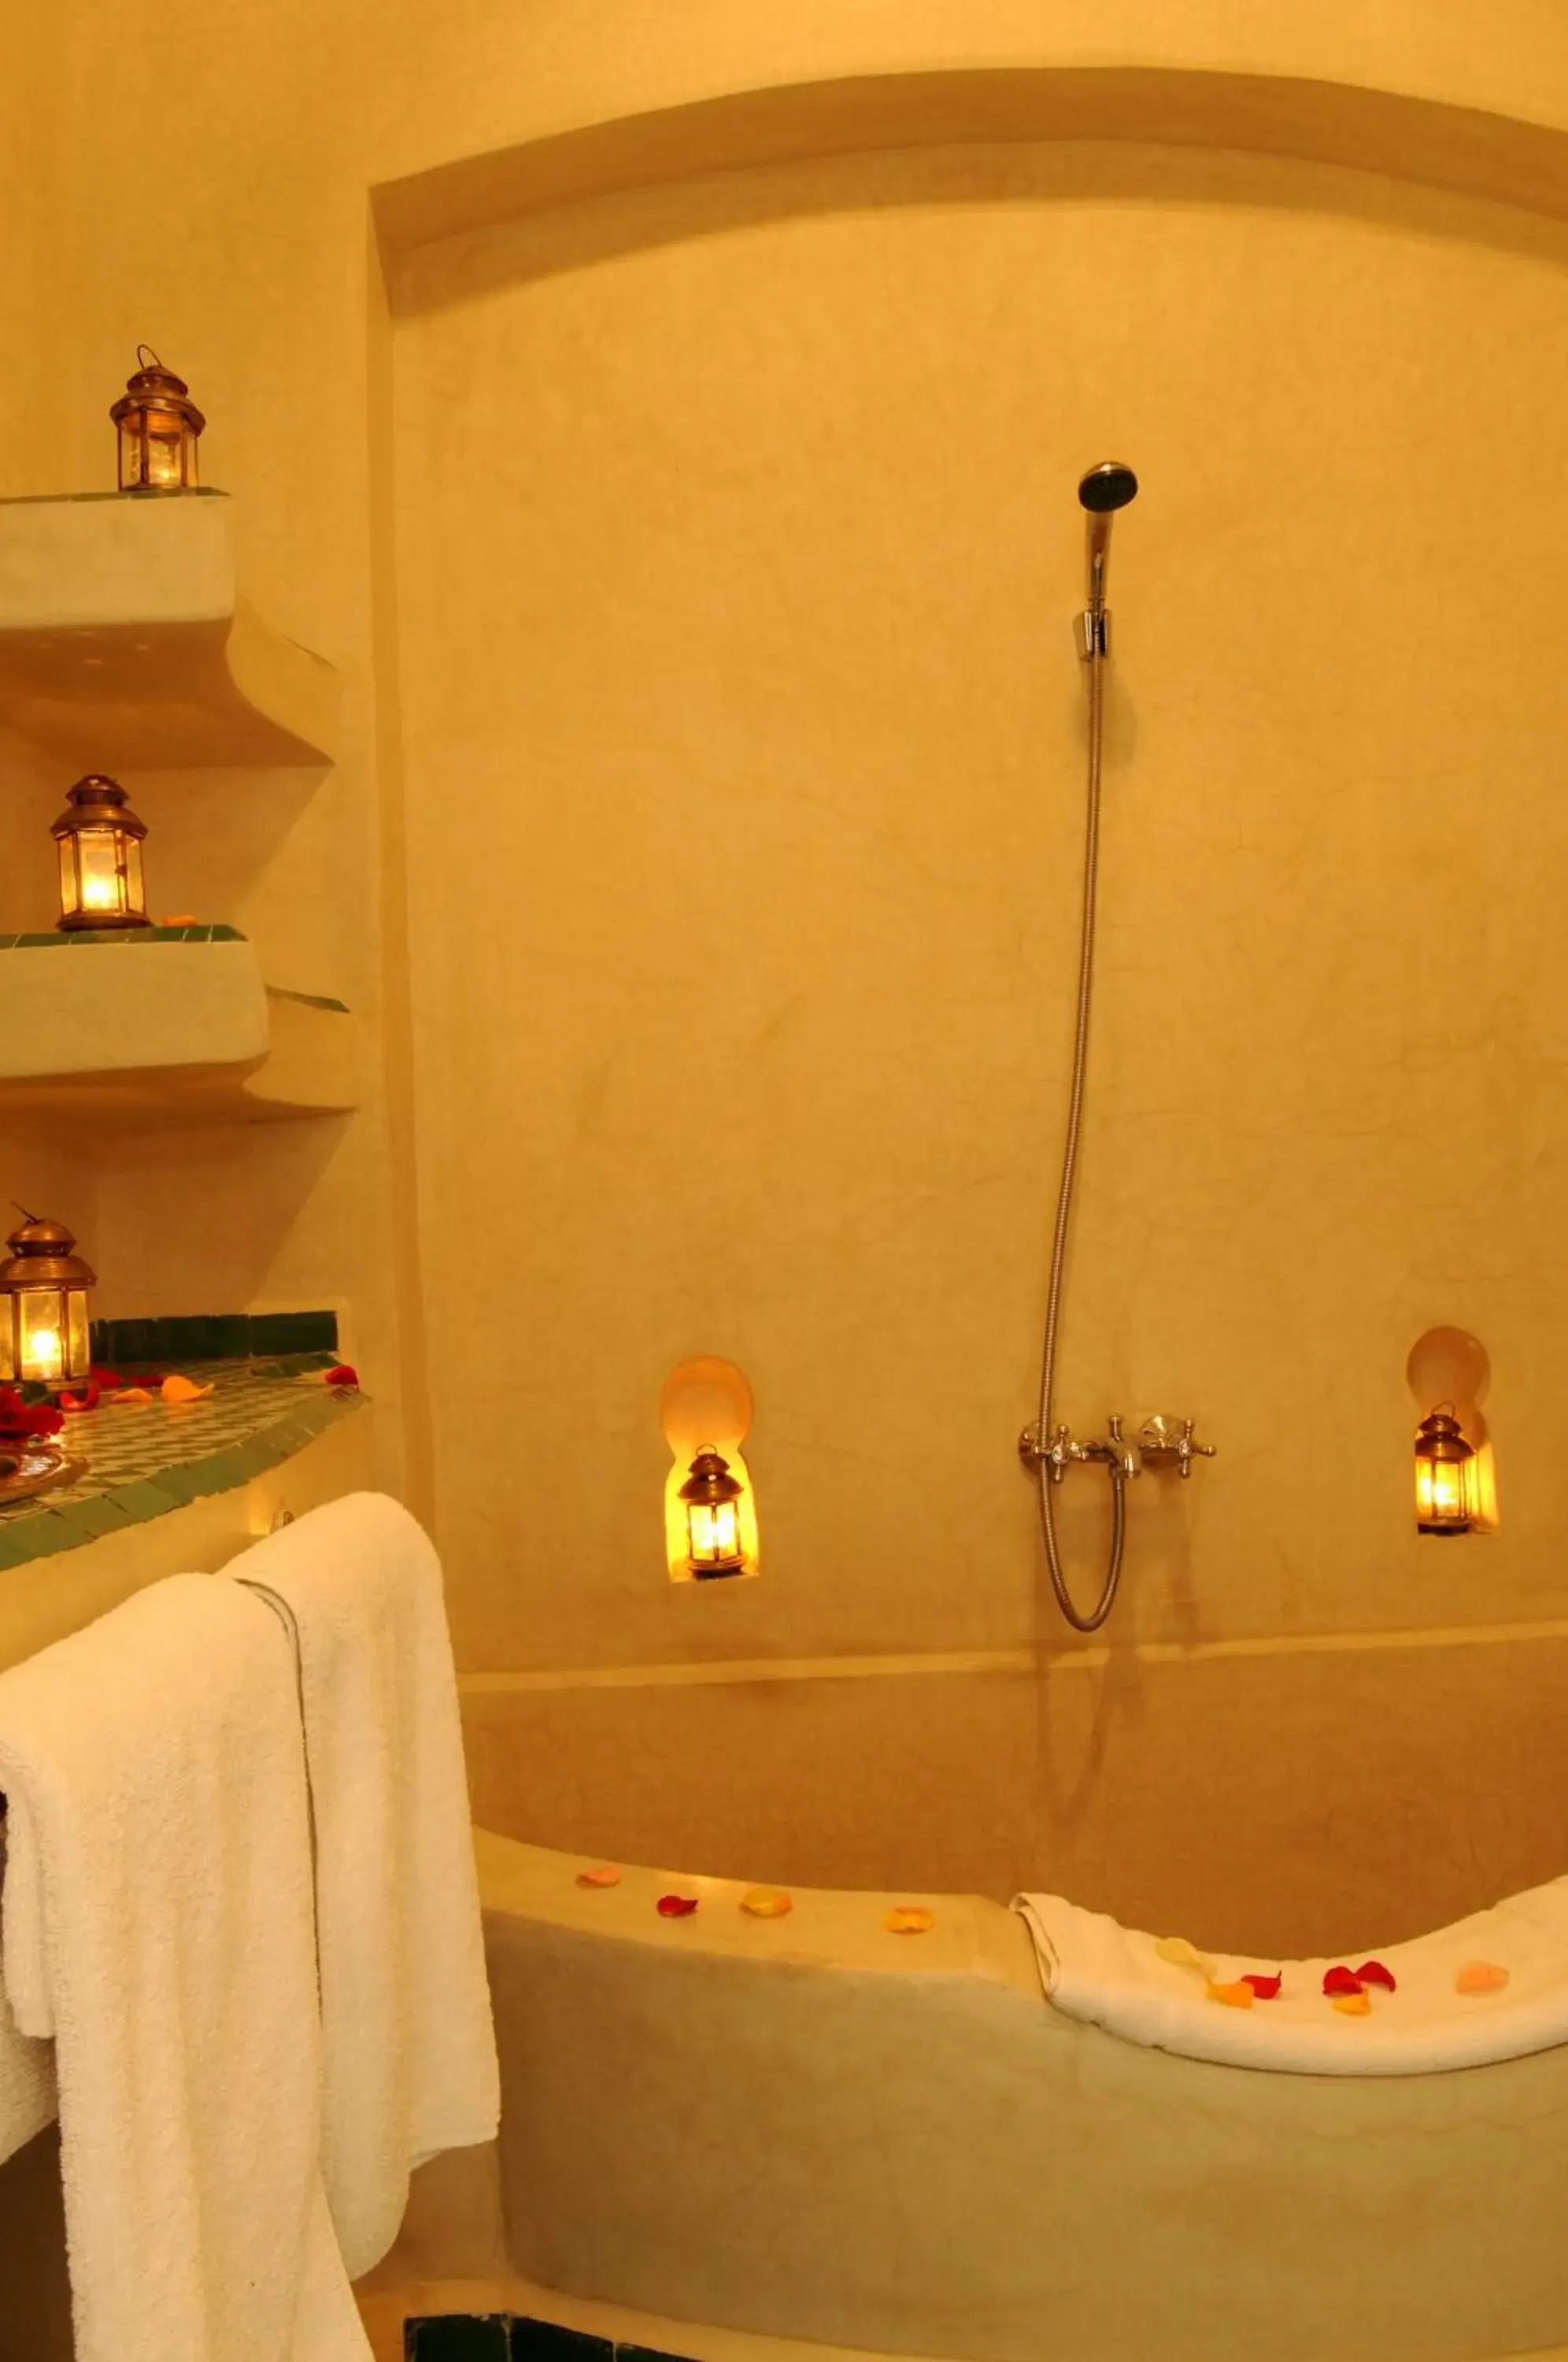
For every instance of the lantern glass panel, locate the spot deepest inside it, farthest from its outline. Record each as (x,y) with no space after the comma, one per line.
(101,869)
(714,1529)
(70,899)
(78,1340)
(135,897)
(40,1320)
(165,451)
(1443,1491)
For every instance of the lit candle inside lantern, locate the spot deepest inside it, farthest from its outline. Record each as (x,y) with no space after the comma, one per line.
(41,1354)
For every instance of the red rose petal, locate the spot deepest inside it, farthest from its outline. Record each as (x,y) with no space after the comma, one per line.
(1373,1972)
(1265,1988)
(1342,1980)
(345,1375)
(676,1907)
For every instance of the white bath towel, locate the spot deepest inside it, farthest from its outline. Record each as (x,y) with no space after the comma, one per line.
(26,2070)
(157,1924)
(1112,1976)
(409,2064)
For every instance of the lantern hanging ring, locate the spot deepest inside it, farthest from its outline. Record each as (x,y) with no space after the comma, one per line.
(147,357)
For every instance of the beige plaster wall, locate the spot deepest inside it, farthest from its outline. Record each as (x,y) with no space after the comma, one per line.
(766,531)
(738,548)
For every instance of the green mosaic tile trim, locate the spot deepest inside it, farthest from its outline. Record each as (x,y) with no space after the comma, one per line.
(36,500)
(143,1463)
(308,1000)
(122,938)
(169,1343)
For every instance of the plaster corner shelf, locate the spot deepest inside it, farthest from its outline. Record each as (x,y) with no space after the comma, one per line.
(124,644)
(167,1024)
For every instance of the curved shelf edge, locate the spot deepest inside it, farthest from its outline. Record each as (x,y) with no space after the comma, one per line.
(124,644)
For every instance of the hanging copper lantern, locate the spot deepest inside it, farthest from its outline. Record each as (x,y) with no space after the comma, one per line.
(43,1307)
(1444,1464)
(158,425)
(100,840)
(713,1518)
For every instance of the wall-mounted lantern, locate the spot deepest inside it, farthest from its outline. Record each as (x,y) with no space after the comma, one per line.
(713,1518)
(43,1307)
(158,425)
(99,838)
(1443,1462)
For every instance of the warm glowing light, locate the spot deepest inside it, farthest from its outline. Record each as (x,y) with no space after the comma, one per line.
(1445,1474)
(158,425)
(100,840)
(44,1330)
(711,1497)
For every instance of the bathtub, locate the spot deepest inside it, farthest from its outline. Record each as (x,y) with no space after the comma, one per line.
(813,2128)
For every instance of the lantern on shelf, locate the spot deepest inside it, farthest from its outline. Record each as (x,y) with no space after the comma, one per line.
(712,1517)
(43,1307)
(158,425)
(1445,1474)
(99,838)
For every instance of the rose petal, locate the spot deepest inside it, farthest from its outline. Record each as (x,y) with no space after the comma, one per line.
(130,1398)
(767,1902)
(178,1389)
(1351,2004)
(605,1875)
(1265,1988)
(1480,1977)
(1234,1996)
(909,1919)
(1183,1955)
(1341,1981)
(676,1907)
(1373,1972)
(345,1375)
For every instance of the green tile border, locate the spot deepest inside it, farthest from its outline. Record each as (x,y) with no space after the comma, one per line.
(177,1338)
(41,499)
(126,939)
(42,1532)
(308,1000)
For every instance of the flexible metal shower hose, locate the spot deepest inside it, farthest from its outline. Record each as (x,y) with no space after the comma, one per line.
(1097,1616)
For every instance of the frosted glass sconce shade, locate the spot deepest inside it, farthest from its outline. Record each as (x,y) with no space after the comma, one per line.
(43,1307)
(158,425)
(713,1518)
(99,839)
(1443,1474)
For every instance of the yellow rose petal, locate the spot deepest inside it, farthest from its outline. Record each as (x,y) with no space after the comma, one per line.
(1183,1955)
(767,1902)
(909,1919)
(605,1875)
(1237,1996)
(1351,2004)
(1480,1977)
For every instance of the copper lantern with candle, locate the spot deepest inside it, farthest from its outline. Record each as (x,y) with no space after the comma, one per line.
(158,426)
(43,1307)
(1445,1474)
(712,1517)
(100,839)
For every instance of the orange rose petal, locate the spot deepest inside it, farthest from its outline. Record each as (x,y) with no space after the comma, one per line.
(909,1919)
(130,1398)
(1480,1977)
(1355,2005)
(1234,1996)
(767,1902)
(605,1875)
(176,1389)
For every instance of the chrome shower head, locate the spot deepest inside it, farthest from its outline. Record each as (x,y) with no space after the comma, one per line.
(1101,493)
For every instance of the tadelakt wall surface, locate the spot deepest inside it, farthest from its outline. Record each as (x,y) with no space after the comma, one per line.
(698,561)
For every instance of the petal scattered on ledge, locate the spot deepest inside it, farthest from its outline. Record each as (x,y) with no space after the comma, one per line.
(1265,1988)
(676,1907)
(1351,2004)
(1239,1995)
(909,1919)
(1341,1981)
(176,1389)
(1183,1955)
(1480,1977)
(129,1398)
(605,1875)
(767,1901)
(1373,1972)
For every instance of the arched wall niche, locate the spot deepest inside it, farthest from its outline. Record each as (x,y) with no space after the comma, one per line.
(1470,151)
